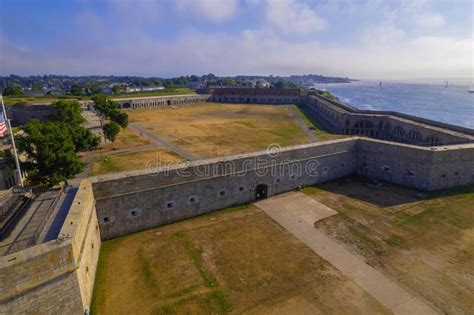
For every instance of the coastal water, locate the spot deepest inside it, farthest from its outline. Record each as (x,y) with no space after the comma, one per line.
(453,105)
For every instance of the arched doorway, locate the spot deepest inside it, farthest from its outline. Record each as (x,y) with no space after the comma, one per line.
(261,192)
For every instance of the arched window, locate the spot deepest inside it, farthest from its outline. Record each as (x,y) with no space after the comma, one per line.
(364,127)
(432,141)
(414,136)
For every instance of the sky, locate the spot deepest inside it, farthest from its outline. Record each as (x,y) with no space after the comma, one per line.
(363,39)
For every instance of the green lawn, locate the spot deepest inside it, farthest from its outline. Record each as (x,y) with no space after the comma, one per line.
(316,127)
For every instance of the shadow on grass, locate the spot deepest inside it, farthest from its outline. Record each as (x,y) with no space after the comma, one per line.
(385,194)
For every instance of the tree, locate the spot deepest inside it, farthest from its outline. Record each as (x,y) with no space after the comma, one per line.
(69,113)
(84,139)
(37,87)
(50,151)
(116,89)
(111,130)
(76,90)
(103,105)
(279,85)
(228,81)
(13,90)
(93,88)
(120,118)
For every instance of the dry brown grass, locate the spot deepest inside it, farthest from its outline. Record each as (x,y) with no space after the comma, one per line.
(211,129)
(125,139)
(234,261)
(425,242)
(149,159)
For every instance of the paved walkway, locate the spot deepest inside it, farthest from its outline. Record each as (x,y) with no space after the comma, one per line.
(171,147)
(92,119)
(23,235)
(297,213)
(303,126)
(52,229)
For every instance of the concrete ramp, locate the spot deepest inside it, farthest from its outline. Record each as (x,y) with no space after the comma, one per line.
(297,213)
(299,205)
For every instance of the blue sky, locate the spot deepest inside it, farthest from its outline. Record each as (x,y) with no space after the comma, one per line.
(361,39)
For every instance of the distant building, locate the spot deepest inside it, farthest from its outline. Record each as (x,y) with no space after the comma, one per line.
(255,95)
(261,83)
(33,93)
(106,90)
(196,85)
(143,89)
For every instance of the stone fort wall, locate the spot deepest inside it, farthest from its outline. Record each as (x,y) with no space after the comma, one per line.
(343,119)
(56,277)
(21,113)
(337,117)
(160,101)
(134,201)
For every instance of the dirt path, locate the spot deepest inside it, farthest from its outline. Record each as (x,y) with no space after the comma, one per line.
(166,144)
(92,157)
(297,213)
(303,126)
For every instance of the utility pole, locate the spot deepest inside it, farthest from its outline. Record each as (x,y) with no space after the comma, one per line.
(15,154)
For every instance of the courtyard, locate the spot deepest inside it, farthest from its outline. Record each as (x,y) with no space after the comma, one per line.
(213,129)
(423,240)
(239,260)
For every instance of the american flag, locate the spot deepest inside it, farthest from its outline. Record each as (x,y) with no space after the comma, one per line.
(3,125)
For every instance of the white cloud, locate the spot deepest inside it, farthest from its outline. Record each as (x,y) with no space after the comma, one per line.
(289,16)
(384,50)
(251,52)
(213,10)
(428,21)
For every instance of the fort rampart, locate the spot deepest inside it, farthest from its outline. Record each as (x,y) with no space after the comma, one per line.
(129,202)
(160,101)
(343,119)
(58,276)
(55,277)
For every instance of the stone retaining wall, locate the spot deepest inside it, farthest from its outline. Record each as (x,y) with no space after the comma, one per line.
(57,276)
(343,119)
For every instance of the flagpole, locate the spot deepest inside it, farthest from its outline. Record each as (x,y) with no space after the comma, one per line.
(17,162)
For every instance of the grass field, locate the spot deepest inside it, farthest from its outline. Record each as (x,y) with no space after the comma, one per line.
(125,139)
(149,159)
(233,261)
(425,241)
(10,100)
(214,129)
(316,127)
(47,99)
(170,91)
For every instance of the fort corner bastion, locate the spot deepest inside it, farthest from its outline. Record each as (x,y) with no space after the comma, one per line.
(58,276)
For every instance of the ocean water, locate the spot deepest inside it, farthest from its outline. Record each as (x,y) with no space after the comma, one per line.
(453,105)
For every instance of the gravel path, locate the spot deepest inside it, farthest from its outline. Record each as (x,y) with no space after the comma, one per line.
(171,147)
(303,126)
